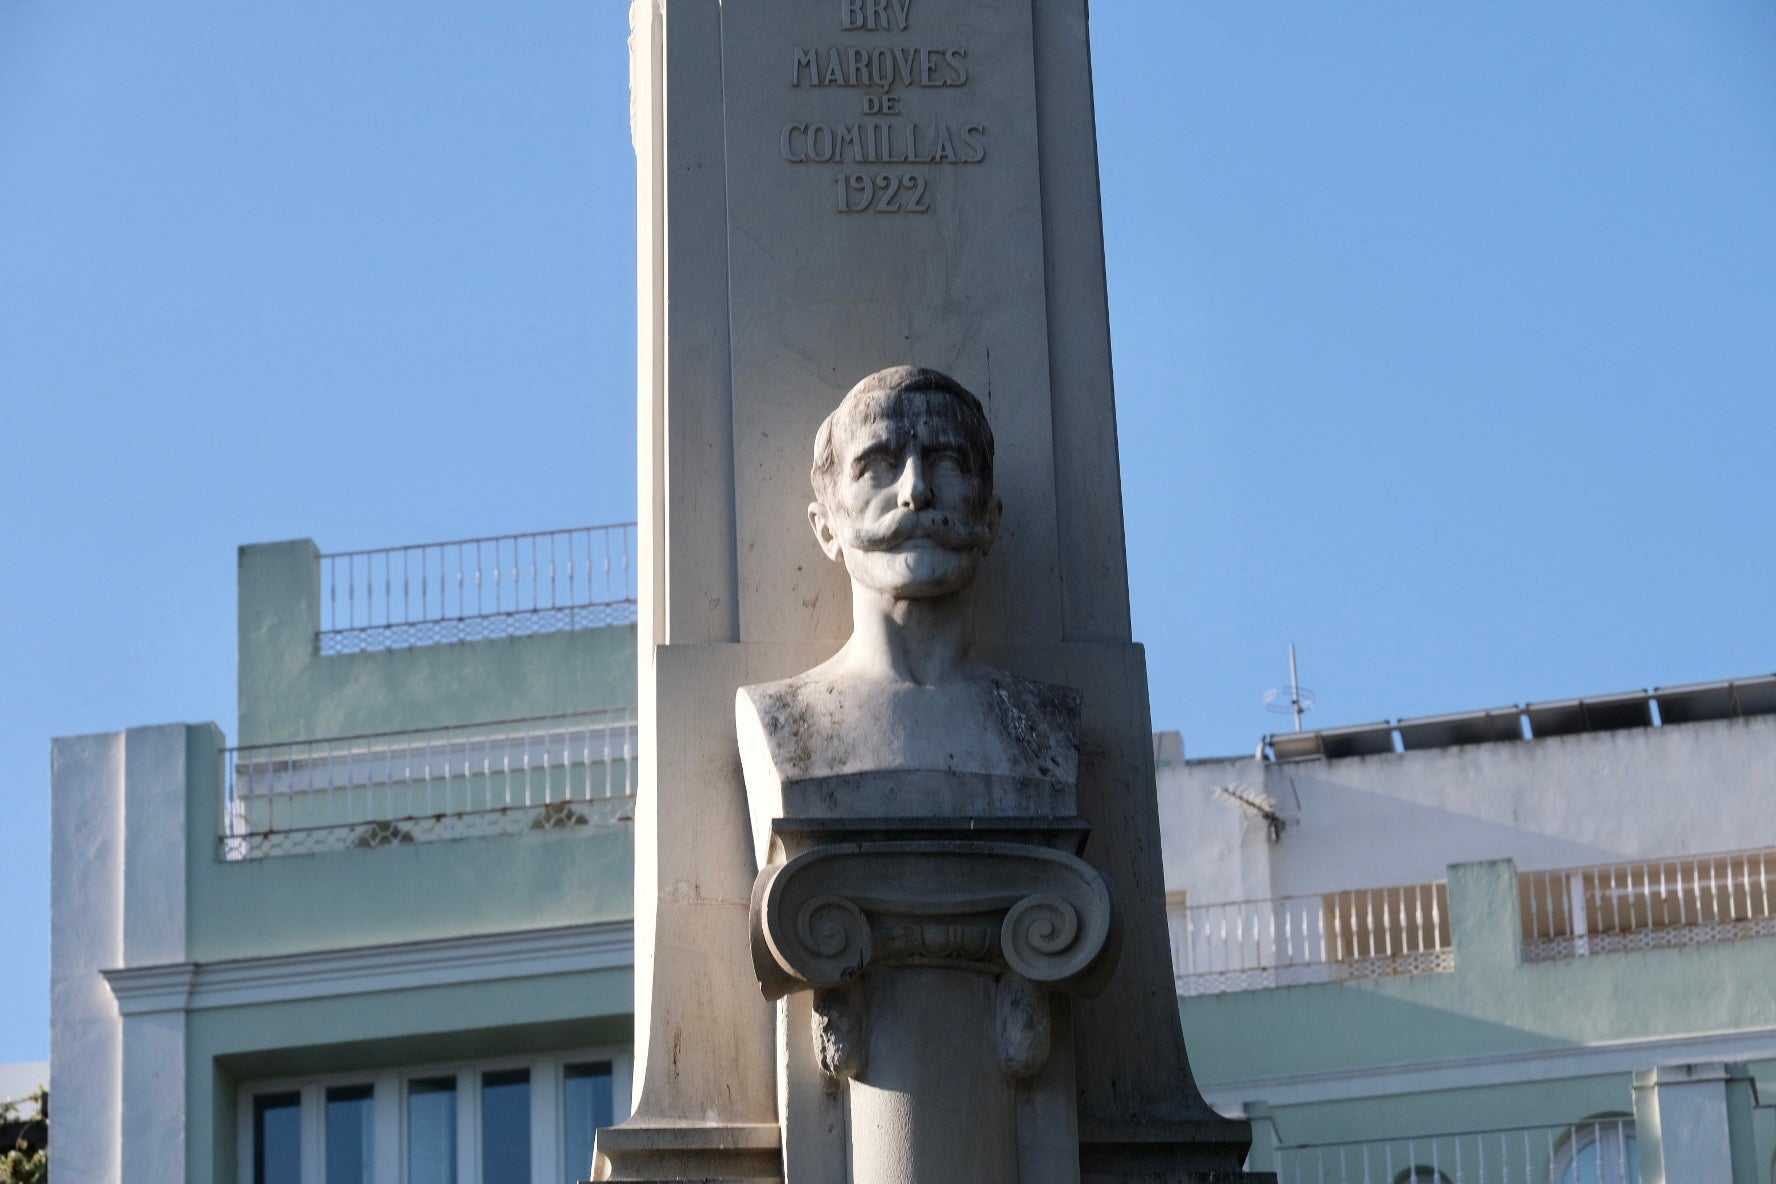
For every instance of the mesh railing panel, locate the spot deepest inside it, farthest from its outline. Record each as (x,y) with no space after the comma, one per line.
(462,781)
(455,629)
(476,824)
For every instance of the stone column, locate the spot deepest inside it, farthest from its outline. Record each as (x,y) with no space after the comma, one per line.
(936,955)
(1693,1122)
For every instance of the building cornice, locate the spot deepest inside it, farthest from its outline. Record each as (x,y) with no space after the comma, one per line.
(145,989)
(188,986)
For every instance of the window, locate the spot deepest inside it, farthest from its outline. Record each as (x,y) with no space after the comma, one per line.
(277,1138)
(350,1116)
(512,1121)
(1600,1151)
(1421,1174)
(505,1126)
(586,1104)
(431,1131)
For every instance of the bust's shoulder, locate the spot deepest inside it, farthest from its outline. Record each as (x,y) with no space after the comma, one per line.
(1018,699)
(800,726)
(1054,705)
(1040,720)
(776,703)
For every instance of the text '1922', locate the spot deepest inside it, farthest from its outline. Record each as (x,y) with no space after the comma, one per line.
(882,193)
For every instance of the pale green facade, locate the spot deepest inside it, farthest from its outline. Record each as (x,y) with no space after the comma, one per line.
(336,964)
(288,691)
(1559,1041)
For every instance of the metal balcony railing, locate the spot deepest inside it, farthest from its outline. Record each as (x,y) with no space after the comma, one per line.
(1595,1151)
(443,783)
(1566,913)
(1650,904)
(1292,940)
(470,589)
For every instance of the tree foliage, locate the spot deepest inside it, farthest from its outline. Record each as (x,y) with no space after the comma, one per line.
(27,1162)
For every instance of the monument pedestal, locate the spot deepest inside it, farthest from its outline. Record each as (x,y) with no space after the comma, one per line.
(939,953)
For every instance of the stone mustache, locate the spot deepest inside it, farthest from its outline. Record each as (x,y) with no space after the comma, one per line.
(915,815)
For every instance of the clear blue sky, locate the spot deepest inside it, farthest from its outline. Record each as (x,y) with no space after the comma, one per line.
(1445,341)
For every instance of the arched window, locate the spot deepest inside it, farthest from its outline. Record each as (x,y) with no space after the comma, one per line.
(1420,1175)
(1600,1150)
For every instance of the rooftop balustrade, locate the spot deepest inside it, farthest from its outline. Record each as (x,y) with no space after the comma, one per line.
(1295,940)
(1376,932)
(1645,905)
(472,589)
(391,788)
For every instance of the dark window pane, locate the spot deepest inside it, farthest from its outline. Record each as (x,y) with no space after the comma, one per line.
(505,1127)
(277,1138)
(431,1131)
(586,1106)
(350,1113)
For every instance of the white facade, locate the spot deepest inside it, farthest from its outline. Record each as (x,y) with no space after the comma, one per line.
(1383,936)
(1402,817)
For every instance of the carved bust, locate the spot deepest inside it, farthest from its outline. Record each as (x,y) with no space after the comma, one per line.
(903,497)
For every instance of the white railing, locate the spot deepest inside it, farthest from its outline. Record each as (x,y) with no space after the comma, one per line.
(1576,912)
(443,783)
(1597,1151)
(1292,940)
(470,589)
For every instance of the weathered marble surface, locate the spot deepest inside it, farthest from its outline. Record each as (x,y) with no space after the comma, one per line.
(992,745)
(760,300)
(915,821)
(904,501)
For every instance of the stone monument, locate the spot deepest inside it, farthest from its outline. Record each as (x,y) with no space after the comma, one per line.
(915,822)
(829,188)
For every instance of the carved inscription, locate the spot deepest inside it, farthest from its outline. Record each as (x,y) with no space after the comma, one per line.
(884,157)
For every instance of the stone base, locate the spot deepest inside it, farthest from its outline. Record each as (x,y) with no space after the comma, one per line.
(641,1151)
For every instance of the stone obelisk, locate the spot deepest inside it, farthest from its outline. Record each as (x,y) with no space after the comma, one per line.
(828,188)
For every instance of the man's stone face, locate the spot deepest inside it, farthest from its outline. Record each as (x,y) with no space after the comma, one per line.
(906,508)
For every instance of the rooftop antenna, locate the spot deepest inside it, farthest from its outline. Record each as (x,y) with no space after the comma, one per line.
(1300,700)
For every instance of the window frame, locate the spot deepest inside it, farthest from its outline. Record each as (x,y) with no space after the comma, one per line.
(389,1112)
